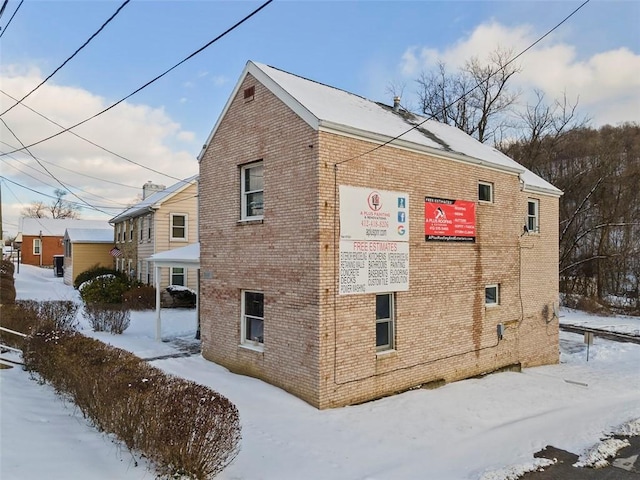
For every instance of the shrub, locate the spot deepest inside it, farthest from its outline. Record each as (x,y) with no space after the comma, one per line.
(107,317)
(182,296)
(104,289)
(184,428)
(7,268)
(26,316)
(7,290)
(140,297)
(97,271)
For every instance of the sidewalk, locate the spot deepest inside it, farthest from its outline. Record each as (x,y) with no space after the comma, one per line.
(625,465)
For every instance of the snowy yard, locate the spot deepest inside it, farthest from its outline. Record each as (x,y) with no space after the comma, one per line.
(471,429)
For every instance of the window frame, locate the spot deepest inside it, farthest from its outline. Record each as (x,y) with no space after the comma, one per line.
(496,287)
(37,246)
(149,228)
(244,317)
(185,227)
(535,218)
(173,273)
(482,183)
(131,227)
(141,229)
(245,193)
(390,321)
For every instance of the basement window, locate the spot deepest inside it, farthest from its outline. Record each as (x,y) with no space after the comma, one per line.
(384,322)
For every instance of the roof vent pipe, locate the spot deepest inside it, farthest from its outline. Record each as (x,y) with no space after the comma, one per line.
(396,103)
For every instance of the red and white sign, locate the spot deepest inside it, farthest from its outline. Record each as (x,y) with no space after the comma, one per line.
(449,220)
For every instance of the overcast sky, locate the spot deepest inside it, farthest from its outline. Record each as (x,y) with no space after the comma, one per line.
(360,47)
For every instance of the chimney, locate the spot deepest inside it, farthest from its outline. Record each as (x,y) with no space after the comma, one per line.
(396,103)
(151,188)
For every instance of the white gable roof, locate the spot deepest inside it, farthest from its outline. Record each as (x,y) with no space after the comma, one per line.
(155,200)
(331,109)
(187,256)
(90,235)
(55,227)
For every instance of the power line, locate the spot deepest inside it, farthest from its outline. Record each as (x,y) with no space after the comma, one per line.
(5,179)
(120,205)
(230,29)
(9,22)
(86,140)
(4,5)
(464,94)
(73,55)
(73,171)
(45,168)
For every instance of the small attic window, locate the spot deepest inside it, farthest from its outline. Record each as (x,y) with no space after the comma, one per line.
(249,93)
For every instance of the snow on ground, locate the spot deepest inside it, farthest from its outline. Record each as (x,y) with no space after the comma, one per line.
(614,323)
(480,428)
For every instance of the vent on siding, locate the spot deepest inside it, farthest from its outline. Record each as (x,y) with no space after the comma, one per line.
(249,93)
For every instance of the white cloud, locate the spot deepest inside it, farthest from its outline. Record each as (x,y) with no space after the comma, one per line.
(606,83)
(140,133)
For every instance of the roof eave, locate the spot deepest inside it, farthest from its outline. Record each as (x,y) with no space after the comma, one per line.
(331,127)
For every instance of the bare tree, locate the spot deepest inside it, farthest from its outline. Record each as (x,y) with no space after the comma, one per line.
(58,208)
(473,99)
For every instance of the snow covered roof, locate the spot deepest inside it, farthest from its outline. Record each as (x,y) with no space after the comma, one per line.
(331,109)
(154,201)
(90,235)
(187,256)
(55,227)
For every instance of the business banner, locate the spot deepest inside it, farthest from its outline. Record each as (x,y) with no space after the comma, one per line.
(449,220)
(370,214)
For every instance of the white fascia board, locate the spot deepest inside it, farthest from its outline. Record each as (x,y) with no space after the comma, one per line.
(412,147)
(275,88)
(542,191)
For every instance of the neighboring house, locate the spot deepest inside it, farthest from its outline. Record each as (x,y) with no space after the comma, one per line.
(351,250)
(42,238)
(165,219)
(85,248)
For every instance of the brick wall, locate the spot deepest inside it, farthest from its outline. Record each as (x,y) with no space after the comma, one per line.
(50,246)
(321,346)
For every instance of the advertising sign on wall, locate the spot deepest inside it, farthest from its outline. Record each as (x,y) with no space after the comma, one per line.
(374,241)
(370,214)
(449,220)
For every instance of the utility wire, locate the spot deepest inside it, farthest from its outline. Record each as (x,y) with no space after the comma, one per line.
(73,55)
(4,5)
(230,29)
(70,170)
(119,205)
(5,179)
(87,140)
(9,22)
(430,117)
(46,170)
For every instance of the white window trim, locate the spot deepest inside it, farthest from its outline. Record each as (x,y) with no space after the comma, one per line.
(243,193)
(149,228)
(140,229)
(536,217)
(244,342)
(497,302)
(186,228)
(491,192)
(382,349)
(184,275)
(37,245)
(131,229)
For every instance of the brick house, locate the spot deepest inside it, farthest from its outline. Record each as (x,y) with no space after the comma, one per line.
(42,238)
(165,218)
(343,259)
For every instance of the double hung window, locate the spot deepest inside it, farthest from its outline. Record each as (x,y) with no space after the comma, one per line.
(384,322)
(252,184)
(178,227)
(252,318)
(533,215)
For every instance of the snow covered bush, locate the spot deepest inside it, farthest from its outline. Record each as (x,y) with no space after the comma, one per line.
(107,317)
(181,296)
(106,288)
(185,429)
(97,271)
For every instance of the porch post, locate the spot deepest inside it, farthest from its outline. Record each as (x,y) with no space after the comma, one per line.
(158,319)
